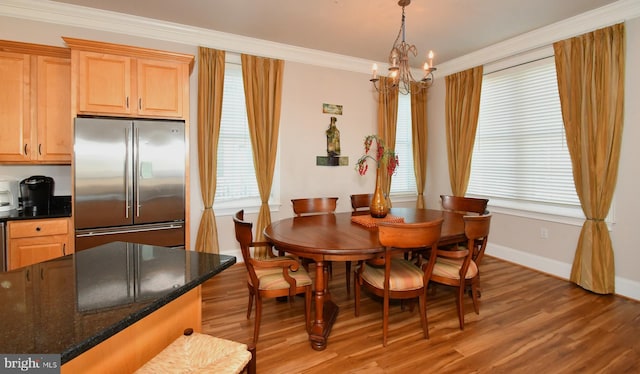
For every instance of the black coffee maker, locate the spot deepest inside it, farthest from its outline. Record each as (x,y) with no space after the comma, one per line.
(36,192)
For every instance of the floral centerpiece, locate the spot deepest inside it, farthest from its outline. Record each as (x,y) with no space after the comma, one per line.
(383,158)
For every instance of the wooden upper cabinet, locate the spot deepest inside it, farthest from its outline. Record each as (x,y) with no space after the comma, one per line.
(35,103)
(129,81)
(104,83)
(160,86)
(54,110)
(15,106)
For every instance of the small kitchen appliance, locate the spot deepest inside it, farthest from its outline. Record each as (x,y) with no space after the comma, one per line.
(36,192)
(8,194)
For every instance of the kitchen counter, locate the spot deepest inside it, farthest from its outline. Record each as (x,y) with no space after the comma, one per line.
(60,208)
(70,304)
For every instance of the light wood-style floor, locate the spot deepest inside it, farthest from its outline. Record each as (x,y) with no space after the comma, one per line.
(529,322)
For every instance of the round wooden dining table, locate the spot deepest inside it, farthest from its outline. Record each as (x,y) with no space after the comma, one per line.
(336,237)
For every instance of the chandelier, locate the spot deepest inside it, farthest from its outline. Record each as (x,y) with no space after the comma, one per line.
(399,68)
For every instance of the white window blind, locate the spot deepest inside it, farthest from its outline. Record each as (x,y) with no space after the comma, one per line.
(404,181)
(236,173)
(520,159)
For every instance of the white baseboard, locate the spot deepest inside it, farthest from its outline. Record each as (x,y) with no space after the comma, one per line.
(624,287)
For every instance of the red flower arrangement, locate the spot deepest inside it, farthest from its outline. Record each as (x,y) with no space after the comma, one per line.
(383,156)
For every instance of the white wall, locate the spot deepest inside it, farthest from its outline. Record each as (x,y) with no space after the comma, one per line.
(306,87)
(302,138)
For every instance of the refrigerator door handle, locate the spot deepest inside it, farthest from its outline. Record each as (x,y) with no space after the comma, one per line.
(127,174)
(137,163)
(90,233)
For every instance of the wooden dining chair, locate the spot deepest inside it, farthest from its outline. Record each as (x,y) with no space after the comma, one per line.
(464,205)
(270,277)
(457,268)
(361,202)
(393,277)
(314,205)
(319,205)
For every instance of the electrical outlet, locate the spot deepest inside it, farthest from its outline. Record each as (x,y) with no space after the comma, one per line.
(544,233)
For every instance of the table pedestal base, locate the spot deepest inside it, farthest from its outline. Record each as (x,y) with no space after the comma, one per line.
(326,311)
(320,332)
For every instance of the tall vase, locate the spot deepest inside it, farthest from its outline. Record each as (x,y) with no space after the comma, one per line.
(379,206)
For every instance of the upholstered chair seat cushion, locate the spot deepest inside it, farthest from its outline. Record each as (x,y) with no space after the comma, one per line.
(199,353)
(450,268)
(404,275)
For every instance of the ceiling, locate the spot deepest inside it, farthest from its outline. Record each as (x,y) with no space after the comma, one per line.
(362,28)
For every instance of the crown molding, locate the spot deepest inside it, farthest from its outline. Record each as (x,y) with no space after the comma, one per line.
(119,23)
(608,15)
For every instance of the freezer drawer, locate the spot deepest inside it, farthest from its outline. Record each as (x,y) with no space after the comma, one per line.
(164,234)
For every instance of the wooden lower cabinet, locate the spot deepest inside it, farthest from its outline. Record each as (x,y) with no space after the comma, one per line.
(45,289)
(56,300)
(16,293)
(33,241)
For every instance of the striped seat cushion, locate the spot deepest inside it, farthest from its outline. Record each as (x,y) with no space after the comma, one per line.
(270,280)
(404,275)
(450,268)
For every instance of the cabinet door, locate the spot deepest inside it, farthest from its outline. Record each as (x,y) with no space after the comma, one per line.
(16,293)
(29,251)
(15,99)
(160,86)
(56,302)
(54,110)
(33,241)
(104,84)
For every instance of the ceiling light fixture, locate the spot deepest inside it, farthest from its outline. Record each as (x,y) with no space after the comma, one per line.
(399,68)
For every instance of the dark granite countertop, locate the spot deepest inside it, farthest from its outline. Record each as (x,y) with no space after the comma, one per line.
(60,208)
(70,304)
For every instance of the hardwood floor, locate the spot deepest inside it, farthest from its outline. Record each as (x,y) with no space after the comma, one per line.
(529,322)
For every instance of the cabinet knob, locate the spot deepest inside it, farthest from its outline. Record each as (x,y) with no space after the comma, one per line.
(38,228)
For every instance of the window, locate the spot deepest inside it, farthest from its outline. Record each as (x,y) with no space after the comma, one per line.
(520,158)
(404,181)
(236,184)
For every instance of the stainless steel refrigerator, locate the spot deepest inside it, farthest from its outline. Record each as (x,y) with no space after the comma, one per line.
(129,181)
